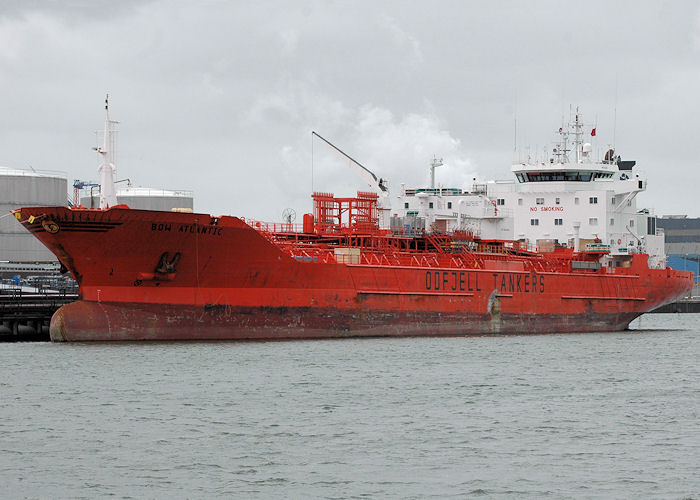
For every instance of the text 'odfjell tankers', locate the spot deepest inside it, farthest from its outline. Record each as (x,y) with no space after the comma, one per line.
(150,275)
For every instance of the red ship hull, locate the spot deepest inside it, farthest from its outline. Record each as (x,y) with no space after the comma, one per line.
(147,275)
(90,321)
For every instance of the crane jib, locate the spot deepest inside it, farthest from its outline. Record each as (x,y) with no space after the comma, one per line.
(379,182)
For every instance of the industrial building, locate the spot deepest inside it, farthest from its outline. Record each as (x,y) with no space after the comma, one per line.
(27,188)
(143,198)
(682,242)
(33,188)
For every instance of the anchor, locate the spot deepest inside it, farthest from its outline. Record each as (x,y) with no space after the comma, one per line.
(164,271)
(166,266)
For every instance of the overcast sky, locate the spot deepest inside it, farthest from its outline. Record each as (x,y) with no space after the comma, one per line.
(221,97)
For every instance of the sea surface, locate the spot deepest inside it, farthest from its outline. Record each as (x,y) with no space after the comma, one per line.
(603,415)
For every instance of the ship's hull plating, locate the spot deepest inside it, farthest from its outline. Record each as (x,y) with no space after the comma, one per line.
(92,321)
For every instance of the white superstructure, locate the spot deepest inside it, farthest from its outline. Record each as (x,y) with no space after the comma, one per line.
(569,198)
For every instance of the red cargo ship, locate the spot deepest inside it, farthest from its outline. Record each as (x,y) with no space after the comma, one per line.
(149,275)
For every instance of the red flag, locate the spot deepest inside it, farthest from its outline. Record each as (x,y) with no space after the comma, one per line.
(593,133)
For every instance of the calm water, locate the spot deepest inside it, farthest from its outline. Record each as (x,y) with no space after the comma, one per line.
(613,415)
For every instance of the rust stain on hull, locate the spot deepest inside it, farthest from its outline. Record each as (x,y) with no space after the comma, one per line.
(88,321)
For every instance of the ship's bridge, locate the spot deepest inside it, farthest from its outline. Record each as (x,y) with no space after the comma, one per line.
(566,172)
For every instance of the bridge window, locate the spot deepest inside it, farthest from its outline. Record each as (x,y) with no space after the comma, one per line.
(602,175)
(554,176)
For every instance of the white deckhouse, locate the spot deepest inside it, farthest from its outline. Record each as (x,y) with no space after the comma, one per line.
(570,199)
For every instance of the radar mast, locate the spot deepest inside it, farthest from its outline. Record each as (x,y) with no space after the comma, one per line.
(437,162)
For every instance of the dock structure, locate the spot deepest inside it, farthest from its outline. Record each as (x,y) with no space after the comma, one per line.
(26,316)
(686,305)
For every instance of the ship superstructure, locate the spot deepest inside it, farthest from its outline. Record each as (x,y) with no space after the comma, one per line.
(568,198)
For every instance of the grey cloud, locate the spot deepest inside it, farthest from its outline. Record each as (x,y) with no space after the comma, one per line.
(221,97)
(69,10)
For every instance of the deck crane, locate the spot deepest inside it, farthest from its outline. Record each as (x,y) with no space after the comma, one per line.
(77,186)
(378,184)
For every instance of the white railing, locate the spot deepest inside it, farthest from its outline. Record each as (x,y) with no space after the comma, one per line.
(139,191)
(497,211)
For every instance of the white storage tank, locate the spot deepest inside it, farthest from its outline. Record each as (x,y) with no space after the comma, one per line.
(143,198)
(27,188)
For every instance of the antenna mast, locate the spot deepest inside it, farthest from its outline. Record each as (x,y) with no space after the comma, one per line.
(108,191)
(437,162)
(577,135)
(562,148)
(615,115)
(515,125)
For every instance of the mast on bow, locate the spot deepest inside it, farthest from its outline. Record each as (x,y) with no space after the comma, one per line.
(107,169)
